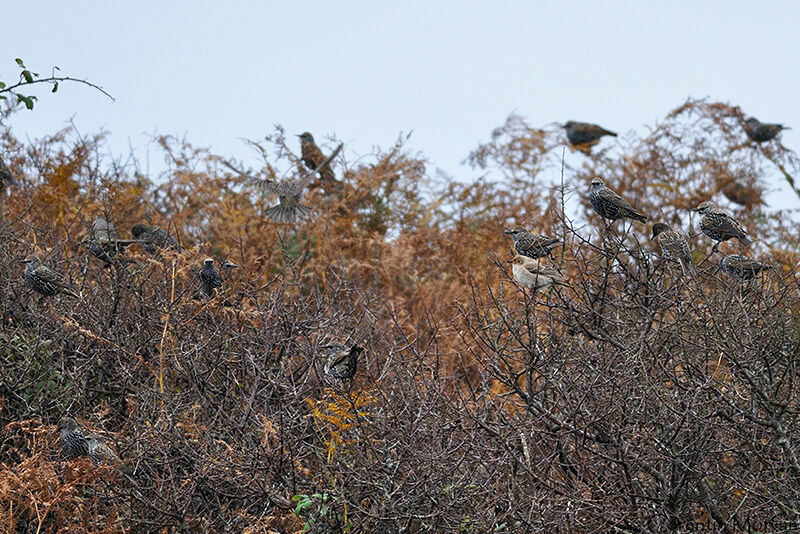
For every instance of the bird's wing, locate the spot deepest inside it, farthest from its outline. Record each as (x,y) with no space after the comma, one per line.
(611,197)
(48,275)
(544,271)
(729,225)
(744,264)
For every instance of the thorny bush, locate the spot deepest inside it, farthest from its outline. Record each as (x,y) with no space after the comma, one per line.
(634,400)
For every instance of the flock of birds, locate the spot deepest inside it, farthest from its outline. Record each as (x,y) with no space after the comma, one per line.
(528,270)
(720,226)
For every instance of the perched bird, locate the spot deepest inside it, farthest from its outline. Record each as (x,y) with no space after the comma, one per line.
(530,273)
(342,362)
(742,266)
(290,190)
(44,280)
(73,442)
(98,451)
(720,226)
(532,245)
(673,245)
(314,159)
(762,131)
(6,178)
(740,194)
(209,277)
(153,237)
(610,205)
(582,133)
(104,241)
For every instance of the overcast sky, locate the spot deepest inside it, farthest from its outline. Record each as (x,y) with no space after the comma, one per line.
(365,71)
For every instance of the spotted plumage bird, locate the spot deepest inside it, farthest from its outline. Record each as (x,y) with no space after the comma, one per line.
(720,226)
(209,277)
(742,266)
(532,245)
(152,238)
(761,132)
(674,245)
(315,160)
(532,274)
(44,280)
(289,191)
(99,451)
(104,240)
(610,205)
(584,133)
(73,442)
(6,177)
(342,362)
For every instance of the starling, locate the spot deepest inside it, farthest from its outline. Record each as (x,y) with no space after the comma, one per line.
(153,238)
(6,178)
(740,194)
(742,266)
(314,159)
(342,362)
(583,133)
(720,226)
(762,131)
(610,205)
(73,442)
(673,245)
(209,278)
(532,245)
(530,273)
(98,451)
(104,241)
(44,280)
(290,190)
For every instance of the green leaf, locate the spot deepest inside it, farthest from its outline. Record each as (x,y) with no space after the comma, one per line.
(20,63)
(55,86)
(27,75)
(27,99)
(2,85)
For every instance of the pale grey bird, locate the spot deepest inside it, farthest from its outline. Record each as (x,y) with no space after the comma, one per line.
(532,245)
(289,191)
(532,274)
(610,205)
(720,226)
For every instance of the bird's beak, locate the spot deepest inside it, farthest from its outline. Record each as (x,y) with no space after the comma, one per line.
(298,135)
(510,261)
(696,209)
(22,261)
(506,231)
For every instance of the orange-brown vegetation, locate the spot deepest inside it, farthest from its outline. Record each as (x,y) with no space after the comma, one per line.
(634,400)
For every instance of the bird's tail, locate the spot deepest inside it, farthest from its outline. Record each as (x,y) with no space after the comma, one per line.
(641,217)
(745,240)
(609,132)
(287,214)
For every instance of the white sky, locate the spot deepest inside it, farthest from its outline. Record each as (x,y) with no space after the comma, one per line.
(365,71)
